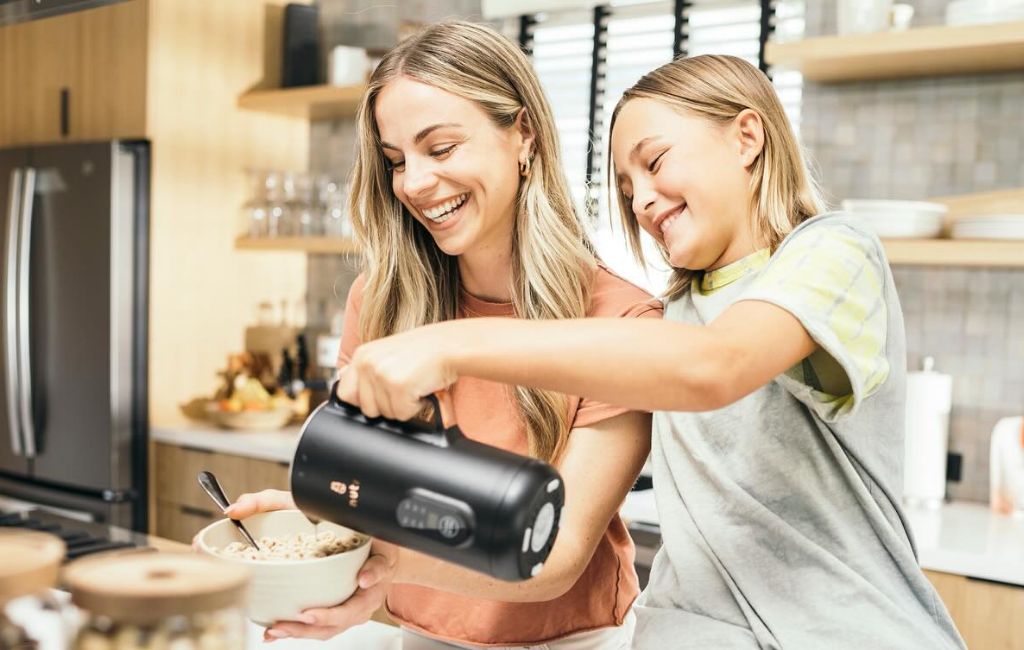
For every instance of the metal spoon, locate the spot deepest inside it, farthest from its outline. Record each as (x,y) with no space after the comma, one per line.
(209,483)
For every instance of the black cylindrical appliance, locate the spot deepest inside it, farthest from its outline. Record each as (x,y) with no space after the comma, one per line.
(429,488)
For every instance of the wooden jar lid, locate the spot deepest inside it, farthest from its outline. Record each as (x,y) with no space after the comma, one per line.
(29,562)
(146,587)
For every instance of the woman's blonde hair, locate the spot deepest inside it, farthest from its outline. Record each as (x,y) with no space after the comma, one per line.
(782,191)
(409,280)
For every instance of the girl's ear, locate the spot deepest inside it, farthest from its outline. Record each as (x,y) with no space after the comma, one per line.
(750,135)
(525,127)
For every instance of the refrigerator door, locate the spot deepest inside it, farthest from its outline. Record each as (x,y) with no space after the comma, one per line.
(13,164)
(81,290)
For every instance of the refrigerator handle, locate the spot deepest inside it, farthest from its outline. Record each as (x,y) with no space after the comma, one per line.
(10,309)
(24,309)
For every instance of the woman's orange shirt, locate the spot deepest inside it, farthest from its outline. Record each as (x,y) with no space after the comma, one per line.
(486,411)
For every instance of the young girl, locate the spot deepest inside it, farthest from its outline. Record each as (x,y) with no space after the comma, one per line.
(463,210)
(778,377)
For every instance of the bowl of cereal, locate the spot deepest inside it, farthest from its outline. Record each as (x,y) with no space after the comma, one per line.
(298,566)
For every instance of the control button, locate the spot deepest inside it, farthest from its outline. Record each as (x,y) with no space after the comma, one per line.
(526,539)
(553,484)
(542,527)
(536,569)
(449,526)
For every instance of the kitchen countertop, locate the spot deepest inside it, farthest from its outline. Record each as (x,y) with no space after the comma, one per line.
(960,537)
(278,446)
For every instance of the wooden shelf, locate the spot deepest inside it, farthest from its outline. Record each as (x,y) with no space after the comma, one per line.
(318,245)
(964,252)
(309,102)
(954,252)
(925,51)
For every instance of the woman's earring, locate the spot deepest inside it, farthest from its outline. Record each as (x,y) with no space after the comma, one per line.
(524,167)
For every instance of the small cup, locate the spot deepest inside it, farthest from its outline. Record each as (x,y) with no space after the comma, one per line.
(901,16)
(862,16)
(347,66)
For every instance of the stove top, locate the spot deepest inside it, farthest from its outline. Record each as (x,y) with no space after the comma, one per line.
(80,537)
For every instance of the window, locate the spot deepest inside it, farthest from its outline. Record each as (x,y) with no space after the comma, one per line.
(586,58)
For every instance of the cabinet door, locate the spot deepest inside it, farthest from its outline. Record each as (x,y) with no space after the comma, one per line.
(74,77)
(987,614)
(108,81)
(181,523)
(31,77)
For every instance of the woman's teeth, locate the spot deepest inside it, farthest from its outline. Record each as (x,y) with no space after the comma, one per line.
(667,223)
(443,212)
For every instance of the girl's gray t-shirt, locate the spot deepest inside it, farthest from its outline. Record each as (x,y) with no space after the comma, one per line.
(780,513)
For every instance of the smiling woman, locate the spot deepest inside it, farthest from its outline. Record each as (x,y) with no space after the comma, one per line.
(462,209)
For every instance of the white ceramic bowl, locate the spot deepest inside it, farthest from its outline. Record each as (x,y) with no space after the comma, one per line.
(899,219)
(281,589)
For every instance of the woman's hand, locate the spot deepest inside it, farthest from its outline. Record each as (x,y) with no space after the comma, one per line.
(374,580)
(391,376)
(264,501)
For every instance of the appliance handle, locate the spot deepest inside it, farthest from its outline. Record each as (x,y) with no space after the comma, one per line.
(24,308)
(438,408)
(10,309)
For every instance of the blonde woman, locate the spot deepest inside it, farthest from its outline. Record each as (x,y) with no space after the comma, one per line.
(777,375)
(463,211)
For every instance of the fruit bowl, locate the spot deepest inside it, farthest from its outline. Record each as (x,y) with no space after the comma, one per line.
(265,419)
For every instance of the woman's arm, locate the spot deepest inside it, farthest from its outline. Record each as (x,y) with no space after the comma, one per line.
(638,363)
(599,466)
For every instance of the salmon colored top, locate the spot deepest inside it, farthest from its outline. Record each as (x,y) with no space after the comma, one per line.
(486,411)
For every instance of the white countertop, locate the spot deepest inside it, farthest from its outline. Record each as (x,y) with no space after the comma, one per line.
(265,445)
(962,538)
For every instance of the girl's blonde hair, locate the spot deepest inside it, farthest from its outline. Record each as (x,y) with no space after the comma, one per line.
(409,280)
(782,191)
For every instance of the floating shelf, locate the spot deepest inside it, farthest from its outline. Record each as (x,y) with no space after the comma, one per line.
(316,245)
(924,51)
(309,102)
(964,252)
(954,252)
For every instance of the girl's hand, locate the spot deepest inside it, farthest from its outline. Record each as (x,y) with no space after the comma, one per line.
(390,376)
(323,623)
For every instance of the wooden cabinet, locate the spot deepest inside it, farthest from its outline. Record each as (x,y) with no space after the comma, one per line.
(74,77)
(182,508)
(988,614)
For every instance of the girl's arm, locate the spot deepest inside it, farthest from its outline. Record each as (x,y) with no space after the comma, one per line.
(599,466)
(644,364)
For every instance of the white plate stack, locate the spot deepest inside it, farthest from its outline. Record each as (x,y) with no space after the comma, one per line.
(989,226)
(899,219)
(980,12)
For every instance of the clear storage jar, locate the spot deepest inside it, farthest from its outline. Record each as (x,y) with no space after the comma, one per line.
(29,566)
(169,601)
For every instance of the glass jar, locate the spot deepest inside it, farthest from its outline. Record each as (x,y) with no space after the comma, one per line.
(158,600)
(29,565)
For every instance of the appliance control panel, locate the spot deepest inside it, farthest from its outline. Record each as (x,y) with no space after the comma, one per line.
(434,515)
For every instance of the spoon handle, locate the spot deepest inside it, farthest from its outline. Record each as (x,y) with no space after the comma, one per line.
(212,487)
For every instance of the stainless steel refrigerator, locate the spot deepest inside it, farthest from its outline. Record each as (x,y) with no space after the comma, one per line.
(73,329)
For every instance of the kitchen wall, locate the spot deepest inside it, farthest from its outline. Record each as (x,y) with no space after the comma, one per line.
(906,139)
(374,25)
(919,138)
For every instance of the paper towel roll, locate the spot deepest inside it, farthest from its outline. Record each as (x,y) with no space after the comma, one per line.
(929,400)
